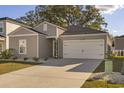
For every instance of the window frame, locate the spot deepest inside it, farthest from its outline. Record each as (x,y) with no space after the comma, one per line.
(25,52)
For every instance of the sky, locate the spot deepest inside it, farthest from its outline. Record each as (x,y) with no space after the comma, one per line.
(114,15)
(14,11)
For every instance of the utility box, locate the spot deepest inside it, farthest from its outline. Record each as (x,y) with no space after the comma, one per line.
(108,66)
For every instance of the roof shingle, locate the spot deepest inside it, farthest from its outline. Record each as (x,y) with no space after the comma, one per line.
(78,29)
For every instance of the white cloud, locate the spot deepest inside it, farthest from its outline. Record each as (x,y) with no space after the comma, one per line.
(114,31)
(109,9)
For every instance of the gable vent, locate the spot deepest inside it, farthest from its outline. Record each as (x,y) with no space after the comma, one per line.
(44,27)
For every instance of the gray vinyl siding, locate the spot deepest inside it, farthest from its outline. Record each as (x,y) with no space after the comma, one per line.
(31,46)
(60,31)
(21,31)
(82,38)
(51,30)
(45,47)
(39,28)
(119,43)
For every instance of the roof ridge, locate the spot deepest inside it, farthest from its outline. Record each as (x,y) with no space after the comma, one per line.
(14,20)
(50,24)
(35,30)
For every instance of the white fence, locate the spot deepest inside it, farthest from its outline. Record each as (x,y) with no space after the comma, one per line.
(119,52)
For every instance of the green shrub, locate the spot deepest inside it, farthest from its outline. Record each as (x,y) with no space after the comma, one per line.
(118,57)
(36,59)
(15,57)
(25,58)
(6,54)
(45,59)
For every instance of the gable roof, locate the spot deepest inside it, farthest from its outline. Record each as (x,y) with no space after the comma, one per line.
(50,24)
(20,23)
(14,21)
(78,29)
(28,29)
(36,31)
(122,36)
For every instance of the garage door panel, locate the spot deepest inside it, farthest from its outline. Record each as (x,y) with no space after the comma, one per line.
(83,49)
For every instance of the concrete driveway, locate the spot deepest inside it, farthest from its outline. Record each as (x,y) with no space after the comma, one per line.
(62,73)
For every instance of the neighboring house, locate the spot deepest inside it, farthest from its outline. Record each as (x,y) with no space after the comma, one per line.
(119,46)
(49,40)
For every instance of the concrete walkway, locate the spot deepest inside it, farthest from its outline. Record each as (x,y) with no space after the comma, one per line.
(64,73)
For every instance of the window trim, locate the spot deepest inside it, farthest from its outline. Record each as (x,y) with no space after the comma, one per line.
(25,46)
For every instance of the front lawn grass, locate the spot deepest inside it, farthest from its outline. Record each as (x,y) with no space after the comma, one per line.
(117,65)
(6,67)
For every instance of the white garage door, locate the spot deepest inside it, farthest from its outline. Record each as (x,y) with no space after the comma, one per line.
(89,49)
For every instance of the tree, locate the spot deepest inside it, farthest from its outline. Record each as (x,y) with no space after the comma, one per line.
(64,16)
(33,17)
(29,18)
(61,15)
(92,18)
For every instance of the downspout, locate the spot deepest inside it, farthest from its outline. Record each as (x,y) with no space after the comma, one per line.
(53,43)
(38,45)
(56,40)
(56,47)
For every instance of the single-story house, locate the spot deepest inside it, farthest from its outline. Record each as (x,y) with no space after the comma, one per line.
(50,40)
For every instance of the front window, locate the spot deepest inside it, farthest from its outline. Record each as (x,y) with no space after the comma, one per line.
(1,27)
(22,46)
